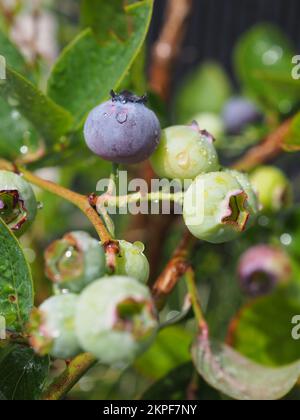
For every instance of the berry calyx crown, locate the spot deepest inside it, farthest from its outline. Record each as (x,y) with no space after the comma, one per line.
(125,96)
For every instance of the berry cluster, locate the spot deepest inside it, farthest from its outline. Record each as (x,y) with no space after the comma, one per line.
(113,315)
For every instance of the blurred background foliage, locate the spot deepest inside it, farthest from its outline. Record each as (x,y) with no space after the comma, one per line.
(254,61)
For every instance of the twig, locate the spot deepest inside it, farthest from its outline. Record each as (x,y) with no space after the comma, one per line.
(76,369)
(80,201)
(175,269)
(265,151)
(168,45)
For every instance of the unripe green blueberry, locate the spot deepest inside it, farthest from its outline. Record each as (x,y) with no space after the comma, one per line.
(252,199)
(185,152)
(216,208)
(75,261)
(132,261)
(211,123)
(262,268)
(18,205)
(115,319)
(273,188)
(52,328)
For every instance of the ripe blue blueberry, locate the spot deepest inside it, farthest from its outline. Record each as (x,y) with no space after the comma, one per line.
(185,152)
(123,130)
(116,319)
(75,261)
(216,207)
(238,113)
(262,268)
(18,205)
(132,261)
(52,329)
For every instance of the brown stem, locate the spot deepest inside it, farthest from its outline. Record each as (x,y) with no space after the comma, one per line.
(168,45)
(265,151)
(175,269)
(80,201)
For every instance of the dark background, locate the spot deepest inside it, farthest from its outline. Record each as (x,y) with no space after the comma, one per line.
(215,26)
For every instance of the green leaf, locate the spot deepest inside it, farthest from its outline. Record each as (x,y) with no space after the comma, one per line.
(49,119)
(16,287)
(263,61)
(177,385)
(11,54)
(170,350)
(292,140)
(23,373)
(263,330)
(238,377)
(205,90)
(88,68)
(15,131)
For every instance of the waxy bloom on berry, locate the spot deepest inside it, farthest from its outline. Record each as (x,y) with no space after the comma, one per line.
(217,208)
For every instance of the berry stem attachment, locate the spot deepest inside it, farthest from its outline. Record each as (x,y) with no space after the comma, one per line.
(75,370)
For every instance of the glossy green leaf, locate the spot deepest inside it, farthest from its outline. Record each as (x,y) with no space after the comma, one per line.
(89,68)
(49,119)
(179,384)
(237,376)
(170,349)
(205,90)
(263,330)
(16,287)
(263,61)
(15,131)
(23,373)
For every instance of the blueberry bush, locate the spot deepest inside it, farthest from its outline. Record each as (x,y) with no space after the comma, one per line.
(98,302)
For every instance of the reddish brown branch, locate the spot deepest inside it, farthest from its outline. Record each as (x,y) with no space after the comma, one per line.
(175,269)
(265,151)
(168,45)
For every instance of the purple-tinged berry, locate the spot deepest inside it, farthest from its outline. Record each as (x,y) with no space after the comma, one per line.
(262,268)
(18,205)
(238,113)
(123,130)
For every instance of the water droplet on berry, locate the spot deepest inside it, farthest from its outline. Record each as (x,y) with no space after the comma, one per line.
(24,150)
(183,160)
(122,117)
(40,205)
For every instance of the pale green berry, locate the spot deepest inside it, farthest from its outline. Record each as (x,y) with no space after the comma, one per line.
(273,188)
(75,261)
(52,327)
(132,261)
(116,319)
(18,205)
(216,208)
(185,152)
